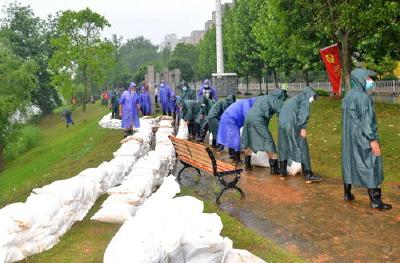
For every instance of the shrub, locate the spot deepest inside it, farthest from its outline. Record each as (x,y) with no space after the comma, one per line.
(23,138)
(322,93)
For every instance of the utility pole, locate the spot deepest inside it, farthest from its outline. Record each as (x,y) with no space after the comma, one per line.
(218,27)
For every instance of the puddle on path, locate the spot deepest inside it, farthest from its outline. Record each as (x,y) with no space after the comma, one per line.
(311,220)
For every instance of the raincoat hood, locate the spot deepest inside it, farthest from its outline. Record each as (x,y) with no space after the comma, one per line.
(359,77)
(230,99)
(308,92)
(280,94)
(132,85)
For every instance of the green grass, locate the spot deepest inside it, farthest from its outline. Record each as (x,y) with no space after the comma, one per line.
(324,136)
(60,153)
(243,237)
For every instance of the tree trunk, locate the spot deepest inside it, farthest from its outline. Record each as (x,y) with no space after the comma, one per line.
(306,78)
(346,60)
(1,157)
(85,84)
(266,81)
(275,79)
(260,83)
(247,84)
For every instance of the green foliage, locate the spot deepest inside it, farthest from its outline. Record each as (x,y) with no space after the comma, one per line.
(29,38)
(185,57)
(207,55)
(322,93)
(21,140)
(17,80)
(80,53)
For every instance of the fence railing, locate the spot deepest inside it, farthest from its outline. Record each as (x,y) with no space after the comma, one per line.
(381,87)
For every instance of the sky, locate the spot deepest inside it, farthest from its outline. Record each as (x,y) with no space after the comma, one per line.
(152,19)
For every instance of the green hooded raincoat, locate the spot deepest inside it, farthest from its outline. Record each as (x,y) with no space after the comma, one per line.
(292,118)
(256,134)
(359,166)
(191,110)
(214,116)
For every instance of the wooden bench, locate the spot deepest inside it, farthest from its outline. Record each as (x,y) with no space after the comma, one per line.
(201,158)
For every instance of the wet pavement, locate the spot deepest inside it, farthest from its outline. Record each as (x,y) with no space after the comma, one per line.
(311,220)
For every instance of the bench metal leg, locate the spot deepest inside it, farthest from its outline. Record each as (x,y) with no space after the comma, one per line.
(230,185)
(187,166)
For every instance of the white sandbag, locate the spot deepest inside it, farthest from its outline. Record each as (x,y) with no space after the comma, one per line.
(109,123)
(10,254)
(206,249)
(130,148)
(166,123)
(210,139)
(116,213)
(260,159)
(130,199)
(241,256)
(293,168)
(183,131)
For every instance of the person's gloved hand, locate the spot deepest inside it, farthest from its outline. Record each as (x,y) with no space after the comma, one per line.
(376,148)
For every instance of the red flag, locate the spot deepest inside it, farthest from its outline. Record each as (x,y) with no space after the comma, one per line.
(331,58)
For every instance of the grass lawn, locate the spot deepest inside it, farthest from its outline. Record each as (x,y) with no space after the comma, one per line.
(61,153)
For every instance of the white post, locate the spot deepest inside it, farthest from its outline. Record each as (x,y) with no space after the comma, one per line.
(218,27)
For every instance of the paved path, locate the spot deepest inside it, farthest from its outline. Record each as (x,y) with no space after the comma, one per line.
(311,220)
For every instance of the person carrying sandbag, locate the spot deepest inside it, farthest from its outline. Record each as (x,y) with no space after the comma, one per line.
(292,142)
(256,135)
(190,112)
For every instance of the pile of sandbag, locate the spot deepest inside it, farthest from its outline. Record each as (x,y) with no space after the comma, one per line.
(49,212)
(144,178)
(168,229)
(110,123)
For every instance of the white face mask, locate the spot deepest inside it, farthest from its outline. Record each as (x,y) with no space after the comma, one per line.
(184,88)
(310,100)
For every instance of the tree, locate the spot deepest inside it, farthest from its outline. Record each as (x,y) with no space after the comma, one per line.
(185,57)
(243,52)
(362,28)
(18,79)
(79,51)
(29,38)
(207,55)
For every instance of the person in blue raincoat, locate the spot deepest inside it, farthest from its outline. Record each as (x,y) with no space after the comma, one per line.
(145,100)
(361,152)
(229,126)
(172,105)
(207,90)
(165,98)
(292,142)
(128,110)
(256,136)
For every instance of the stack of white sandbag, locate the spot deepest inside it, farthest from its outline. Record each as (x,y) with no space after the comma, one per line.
(109,123)
(168,229)
(145,177)
(48,213)
(183,131)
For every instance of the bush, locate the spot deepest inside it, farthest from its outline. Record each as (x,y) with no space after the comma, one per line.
(322,93)
(390,77)
(23,138)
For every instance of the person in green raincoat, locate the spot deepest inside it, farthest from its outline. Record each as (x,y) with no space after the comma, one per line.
(361,153)
(292,142)
(190,111)
(185,92)
(214,116)
(206,103)
(256,135)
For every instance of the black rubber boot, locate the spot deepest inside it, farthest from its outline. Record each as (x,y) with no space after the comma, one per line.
(236,158)
(125,134)
(283,169)
(231,153)
(247,161)
(214,143)
(220,148)
(309,176)
(348,196)
(273,163)
(375,197)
